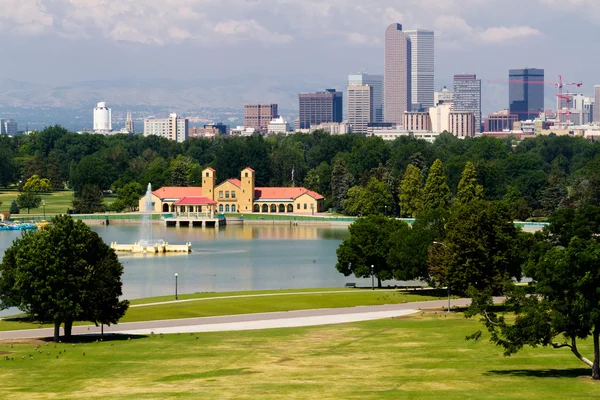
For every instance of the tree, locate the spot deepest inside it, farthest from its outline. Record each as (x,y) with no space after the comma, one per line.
(468,188)
(312,181)
(373,199)
(341,182)
(129,195)
(28,200)
(481,250)
(14,207)
(92,170)
(411,191)
(436,193)
(517,205)
(369,245)
(89,201)
(62,274)
(566,306)
(35,184)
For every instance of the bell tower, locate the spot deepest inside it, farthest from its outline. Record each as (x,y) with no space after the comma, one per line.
(246,200)
(208,183)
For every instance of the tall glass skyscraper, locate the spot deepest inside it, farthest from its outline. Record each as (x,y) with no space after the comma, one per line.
(467,96)
(422,67)
(376,83)
(526,92)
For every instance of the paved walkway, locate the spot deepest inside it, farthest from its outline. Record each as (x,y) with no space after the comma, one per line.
(252,321)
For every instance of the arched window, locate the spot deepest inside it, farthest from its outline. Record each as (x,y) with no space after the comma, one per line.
(233,208)
(221,208)
(256,208)
(273,208)
(227,208)
(265,208)
(290,208)
(165,208)
(281,208)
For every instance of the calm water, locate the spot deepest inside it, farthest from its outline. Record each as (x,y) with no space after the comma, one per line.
(227,259)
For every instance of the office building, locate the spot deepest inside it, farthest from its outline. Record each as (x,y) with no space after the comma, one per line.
(258,116)
(8,127)
(360,112)
(500,121)
(315,108)
(397,88)
(172,128)
(444,96)
(376,83)
(582,109)
(278,125)
(526,92)
(422,68)
(417,121)
(597,103)
(333,128)
(467,96)
(102,118)
(462,124)
(440,118)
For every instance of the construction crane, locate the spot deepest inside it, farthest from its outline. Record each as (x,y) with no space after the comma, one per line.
(561,97)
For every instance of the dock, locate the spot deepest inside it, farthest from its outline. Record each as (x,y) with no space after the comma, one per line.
(151,248)
(195,220)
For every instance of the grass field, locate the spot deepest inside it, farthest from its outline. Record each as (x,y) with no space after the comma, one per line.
(56,202)
(309,299)
(420,357)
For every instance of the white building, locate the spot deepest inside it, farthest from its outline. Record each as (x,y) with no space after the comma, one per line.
(393,131)
(444,96)
(278,125)
(8,127)
(422,68)
(333,128)
(102,118)
(376,83)
(582,112)
(242,131)
(440,118)
(172,128)
(360,111)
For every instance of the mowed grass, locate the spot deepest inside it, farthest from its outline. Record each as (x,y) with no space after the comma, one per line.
(56,202)
(258,302)
(420,357)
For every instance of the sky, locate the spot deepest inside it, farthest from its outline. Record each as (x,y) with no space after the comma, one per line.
(58,42)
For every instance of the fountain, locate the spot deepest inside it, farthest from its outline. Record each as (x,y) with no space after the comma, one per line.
(146,243)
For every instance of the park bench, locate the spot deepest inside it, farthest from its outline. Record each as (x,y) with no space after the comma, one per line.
(351,284)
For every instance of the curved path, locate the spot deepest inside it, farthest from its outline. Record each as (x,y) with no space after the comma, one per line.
(284,319)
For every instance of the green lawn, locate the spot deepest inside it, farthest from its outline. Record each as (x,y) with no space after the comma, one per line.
(420,357)
(56,202)
(255,304)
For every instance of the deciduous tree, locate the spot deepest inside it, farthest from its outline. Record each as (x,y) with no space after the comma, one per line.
(370,200)
(35,184)
(28,200)
(89,201)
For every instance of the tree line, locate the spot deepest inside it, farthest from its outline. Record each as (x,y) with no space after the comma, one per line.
(539,175)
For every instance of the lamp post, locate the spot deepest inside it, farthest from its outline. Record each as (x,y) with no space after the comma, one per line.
(176,275)
(44,206)
(372,277)
(386,211)
(447,283)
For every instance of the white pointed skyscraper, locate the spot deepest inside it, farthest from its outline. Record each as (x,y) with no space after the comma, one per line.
(129,127)
(422,68)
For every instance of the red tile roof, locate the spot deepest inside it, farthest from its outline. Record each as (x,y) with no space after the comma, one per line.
(266,193)
(176,192)
(236,182)
(195,201)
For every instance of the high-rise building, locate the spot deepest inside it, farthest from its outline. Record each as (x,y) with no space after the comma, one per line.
(397,74)
(172,128)
(500,121)
(315,108)
(417,121)
(258,116)
(376,83)
(8,127)
(102,118)
(422,68)
(467,96)
(597,103)
(462,124)
(526,92)
(582,109)
(360,107)
(129,126)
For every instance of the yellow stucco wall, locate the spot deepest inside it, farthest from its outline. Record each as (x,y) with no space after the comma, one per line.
(227,194)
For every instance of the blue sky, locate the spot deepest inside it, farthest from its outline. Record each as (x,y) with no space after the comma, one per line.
(63,41)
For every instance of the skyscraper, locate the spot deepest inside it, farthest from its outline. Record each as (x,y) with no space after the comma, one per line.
(102,118)
(360,107)
(376,83)
(258,116)
(597,103)
(467,96)
(173,128)
(315,108)
(397,74)
(526,92)
(422,67)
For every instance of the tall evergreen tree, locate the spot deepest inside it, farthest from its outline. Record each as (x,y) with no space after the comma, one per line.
(468,188)
(411,191)
(436,193)
(341,182)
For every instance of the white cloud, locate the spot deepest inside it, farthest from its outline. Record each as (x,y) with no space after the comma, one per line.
(28,17)
(248,30)
(503,33)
